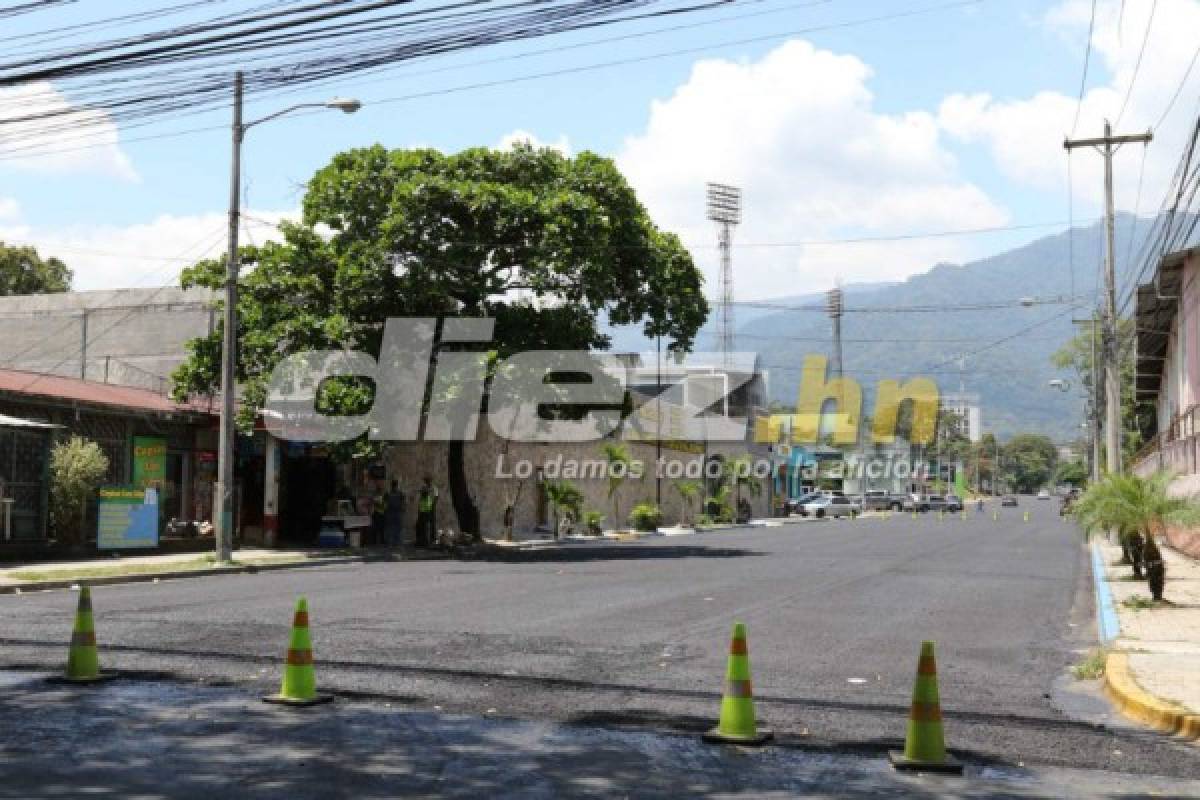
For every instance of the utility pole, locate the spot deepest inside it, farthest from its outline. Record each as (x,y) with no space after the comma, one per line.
(1093,418)
(1106,146)
(223,511)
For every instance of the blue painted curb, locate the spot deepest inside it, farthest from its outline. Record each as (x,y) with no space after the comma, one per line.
(1106,613)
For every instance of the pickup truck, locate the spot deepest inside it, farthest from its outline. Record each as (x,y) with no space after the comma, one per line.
(879,500)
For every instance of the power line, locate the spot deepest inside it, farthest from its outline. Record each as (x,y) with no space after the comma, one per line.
(1087,57)
(212,89)
(1138,65)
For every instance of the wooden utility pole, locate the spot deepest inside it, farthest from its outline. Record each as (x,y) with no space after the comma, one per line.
(1106,146)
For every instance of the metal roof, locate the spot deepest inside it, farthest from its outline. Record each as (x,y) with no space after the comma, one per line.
(1157,304)
(61,388)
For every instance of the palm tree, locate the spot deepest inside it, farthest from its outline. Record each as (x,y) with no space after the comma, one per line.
(617,456)
(688,492)
(563,496)
(738,474)
(1137,508)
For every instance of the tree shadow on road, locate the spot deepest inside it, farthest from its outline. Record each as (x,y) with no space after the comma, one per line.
(610,552)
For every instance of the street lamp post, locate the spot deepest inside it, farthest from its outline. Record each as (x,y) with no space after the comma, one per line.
(223,513)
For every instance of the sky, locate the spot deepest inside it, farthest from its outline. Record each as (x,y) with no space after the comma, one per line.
(839,119)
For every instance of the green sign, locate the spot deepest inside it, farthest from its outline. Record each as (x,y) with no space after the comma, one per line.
(126,518)
(149,461)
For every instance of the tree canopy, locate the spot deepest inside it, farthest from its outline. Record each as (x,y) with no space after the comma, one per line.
(23,271)
(1028,461)
(547,245)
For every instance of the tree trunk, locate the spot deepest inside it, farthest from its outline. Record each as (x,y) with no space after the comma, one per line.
(1136,553)
(460,494)
(1156,570)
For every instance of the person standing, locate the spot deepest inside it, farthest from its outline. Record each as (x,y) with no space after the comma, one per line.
(393,516)
(379,516)
(427,513)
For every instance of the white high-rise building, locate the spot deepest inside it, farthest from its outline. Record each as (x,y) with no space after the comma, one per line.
(966,406)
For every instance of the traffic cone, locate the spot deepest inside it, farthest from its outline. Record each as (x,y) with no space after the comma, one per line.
(995,516)
(1027,516)
(83,662)
(299,676)
(925,745)
(737,724)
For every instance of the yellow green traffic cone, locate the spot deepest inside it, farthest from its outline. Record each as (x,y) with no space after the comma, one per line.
(299,676)
(737,724)
(925,744)
(1027,516)
(995,516)
(83,662)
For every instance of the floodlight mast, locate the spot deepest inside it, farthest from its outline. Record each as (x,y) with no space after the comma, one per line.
(725,209)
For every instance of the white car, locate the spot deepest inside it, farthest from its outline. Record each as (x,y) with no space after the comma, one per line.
(1043,495)
(831,506)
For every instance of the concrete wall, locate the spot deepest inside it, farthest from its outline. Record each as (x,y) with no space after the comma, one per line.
(130,337)
(491,464)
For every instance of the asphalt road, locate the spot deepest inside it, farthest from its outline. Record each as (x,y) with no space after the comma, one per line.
(635,635)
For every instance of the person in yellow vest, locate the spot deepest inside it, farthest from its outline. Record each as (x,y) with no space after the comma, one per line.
(427,513)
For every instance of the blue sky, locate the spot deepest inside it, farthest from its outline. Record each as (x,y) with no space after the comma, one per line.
(945,120)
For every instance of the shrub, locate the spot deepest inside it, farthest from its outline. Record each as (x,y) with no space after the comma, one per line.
(646,517)
(592,521)
(77,466)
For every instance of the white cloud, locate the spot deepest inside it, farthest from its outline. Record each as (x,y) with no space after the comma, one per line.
(9,209)
(75,139)
(797,131)
(1025,135)
(562,144)
(145,254)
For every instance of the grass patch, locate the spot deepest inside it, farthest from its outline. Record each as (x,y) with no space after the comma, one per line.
(1092,666)
(1138,602)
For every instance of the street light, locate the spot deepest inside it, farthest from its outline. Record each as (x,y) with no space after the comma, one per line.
(223,513)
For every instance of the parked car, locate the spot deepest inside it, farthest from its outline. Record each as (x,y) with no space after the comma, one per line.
(1009,500)
(915,501)
(953,503)
(935,502)
(1043,495)
(879,500)
(831,506)
(793,504)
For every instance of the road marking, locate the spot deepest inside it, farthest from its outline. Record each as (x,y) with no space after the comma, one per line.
(1106,615)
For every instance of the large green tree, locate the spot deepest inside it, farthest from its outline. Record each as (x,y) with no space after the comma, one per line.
(1028,461)
(23,271)
(547,245)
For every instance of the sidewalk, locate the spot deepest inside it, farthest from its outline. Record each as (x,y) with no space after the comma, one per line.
(1153,671)
(102,569)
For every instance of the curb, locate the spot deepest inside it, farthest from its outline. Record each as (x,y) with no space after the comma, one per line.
(1136,703)
(1107,625)
(150,577)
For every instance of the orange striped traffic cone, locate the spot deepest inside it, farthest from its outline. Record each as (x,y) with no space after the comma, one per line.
(738,724)
(83,662)
(299,676)
(925,745)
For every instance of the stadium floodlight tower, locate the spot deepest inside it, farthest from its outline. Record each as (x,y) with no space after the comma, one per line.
(725,209)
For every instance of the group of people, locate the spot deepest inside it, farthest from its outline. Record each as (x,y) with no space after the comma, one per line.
(390,511)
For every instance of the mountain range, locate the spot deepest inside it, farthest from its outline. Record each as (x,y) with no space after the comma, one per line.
(1002,353)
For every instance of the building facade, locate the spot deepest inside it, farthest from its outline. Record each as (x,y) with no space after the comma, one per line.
(1168,376)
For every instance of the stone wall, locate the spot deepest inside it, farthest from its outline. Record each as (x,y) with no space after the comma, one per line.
(497,470)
